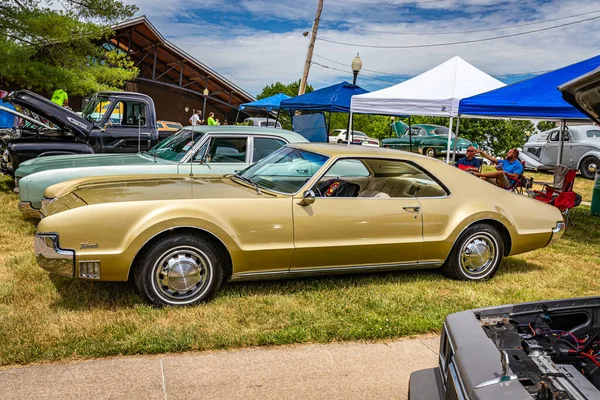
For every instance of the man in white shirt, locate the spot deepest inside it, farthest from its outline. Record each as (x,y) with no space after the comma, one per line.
(195,119)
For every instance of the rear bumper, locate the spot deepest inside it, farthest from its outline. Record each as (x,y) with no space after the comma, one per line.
(557,232)
(28,211)
(51,257)
(426,384)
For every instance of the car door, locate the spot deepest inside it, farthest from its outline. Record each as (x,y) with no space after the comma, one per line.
(127,129)
(550,151)
(219,155)
(371,229)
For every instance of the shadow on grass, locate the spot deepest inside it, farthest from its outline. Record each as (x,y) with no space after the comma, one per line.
(587,227)
(85,295)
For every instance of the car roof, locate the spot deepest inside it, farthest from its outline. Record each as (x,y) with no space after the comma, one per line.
(429,126)
(334,149)
(290,136)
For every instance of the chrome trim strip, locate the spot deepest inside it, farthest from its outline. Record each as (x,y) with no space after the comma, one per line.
(557,232)
(51,257)
(293,273)
(28,211)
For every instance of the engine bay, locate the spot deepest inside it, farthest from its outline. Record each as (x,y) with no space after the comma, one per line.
(554,356)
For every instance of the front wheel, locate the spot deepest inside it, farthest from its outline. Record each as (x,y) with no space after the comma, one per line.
(179,270)
(430,152)
(476,255)
(589,166)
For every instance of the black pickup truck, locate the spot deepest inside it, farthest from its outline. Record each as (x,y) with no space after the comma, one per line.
(112,122)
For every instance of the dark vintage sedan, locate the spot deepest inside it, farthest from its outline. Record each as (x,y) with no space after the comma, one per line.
(547,350)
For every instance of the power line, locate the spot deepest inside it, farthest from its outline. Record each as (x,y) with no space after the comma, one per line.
(469,31)
(349,72)
(460,42)
(405,4)
(393,74)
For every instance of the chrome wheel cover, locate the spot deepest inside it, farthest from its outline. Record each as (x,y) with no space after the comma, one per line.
(181,275)
(430,153)
(478,255)
(592,168)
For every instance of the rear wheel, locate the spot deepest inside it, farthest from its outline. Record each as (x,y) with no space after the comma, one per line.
(179,270)
(430,152)
(340,141)
(476,254)
(588,167)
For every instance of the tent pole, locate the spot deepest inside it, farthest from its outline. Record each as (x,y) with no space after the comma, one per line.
(410,133)
(267,123)
(455,139)
(562,142)
(349,131)
(237,115)
(328,124)
(449,140)
(277,118)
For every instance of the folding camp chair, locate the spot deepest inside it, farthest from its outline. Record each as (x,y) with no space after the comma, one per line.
(521,182)
(560,194)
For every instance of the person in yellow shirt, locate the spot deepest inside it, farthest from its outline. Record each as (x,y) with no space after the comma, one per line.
(211,119)
(60,97)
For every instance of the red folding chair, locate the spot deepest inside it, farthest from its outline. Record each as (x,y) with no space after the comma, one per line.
(560,194)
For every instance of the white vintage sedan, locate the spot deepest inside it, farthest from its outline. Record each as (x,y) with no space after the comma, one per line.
(358,137)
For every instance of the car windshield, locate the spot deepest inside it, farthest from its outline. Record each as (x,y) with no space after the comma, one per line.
(176,146)
(358,133)
(96,108)
(284,171)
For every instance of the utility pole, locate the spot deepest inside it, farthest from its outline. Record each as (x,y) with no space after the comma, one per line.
(311,47)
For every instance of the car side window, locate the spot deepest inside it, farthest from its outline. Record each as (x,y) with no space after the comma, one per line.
(128,113)
(377,178)
(555,136)
(593,134)
(265,146)
(227,150)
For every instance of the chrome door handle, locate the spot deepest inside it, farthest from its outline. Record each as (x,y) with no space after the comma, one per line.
(415,209)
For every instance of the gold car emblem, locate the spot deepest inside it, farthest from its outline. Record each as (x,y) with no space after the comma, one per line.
(87,245)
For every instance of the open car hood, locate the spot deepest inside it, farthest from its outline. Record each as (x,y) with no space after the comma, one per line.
(584,94)
(65,119)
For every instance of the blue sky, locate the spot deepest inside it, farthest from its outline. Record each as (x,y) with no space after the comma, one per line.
(257,42)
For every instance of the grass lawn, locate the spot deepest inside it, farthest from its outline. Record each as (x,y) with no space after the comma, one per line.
(47,318)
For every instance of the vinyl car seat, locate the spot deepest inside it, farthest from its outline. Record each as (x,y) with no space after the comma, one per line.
(393,187)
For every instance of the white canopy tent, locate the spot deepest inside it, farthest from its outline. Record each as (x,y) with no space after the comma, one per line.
(436,92)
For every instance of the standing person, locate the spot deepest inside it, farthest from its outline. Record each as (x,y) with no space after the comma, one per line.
(7,120)
(469,162)
(60,97)
(508,170)
(211,119)
(196,119)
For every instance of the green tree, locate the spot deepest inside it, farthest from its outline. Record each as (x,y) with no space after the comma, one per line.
(545,125)
(278,87)
(58,44)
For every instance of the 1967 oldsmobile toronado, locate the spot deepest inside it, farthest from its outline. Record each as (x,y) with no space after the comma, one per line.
(306,209)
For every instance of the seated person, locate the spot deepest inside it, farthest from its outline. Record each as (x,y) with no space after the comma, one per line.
(508,170)
(469,163)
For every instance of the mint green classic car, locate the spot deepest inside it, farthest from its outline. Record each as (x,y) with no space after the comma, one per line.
(430,140)
(213,150)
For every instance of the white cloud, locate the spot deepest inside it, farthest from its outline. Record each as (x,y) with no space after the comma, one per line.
(253,57)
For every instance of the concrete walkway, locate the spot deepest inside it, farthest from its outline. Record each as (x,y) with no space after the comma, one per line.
(341,370)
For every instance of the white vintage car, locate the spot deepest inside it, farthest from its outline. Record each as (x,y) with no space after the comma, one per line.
(581,149)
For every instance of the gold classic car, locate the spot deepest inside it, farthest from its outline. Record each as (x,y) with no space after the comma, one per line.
(306,209)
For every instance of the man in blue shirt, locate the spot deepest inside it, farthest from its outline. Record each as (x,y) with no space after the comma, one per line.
(7,120)
(469,163)
(507,170)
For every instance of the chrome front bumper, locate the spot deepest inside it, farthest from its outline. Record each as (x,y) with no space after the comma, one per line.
(557,232)
(28,211)
(51,257)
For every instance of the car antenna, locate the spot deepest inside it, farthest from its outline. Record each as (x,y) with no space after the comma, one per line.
(192,157)
(139,134)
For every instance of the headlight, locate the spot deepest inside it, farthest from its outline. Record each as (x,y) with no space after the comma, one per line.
(5,155)
(47,200)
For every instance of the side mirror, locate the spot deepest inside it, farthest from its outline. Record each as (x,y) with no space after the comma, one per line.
(107,124)
(308,198)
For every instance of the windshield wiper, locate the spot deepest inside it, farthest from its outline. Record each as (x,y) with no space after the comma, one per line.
(248,180)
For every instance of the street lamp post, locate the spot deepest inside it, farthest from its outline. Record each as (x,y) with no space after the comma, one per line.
(205,93)
(356,66)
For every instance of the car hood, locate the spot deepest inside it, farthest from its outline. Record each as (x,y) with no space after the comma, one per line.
(67,120)
(82,160)
(167,188)
(583,94)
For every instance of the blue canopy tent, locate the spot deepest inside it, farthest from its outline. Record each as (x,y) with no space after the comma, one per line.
(335,98)
(268,103)
(537,97)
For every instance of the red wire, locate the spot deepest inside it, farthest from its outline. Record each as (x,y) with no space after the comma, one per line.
(586,356)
